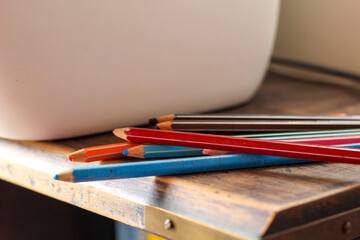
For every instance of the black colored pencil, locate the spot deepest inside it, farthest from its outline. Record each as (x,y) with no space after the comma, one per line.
(256,125)
(172,117)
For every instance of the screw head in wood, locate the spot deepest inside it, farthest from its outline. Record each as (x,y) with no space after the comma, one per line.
(168,224)
(347,227)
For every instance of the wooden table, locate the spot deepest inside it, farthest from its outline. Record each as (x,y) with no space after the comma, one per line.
(317,200)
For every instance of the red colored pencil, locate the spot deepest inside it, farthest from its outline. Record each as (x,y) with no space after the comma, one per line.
(242,145)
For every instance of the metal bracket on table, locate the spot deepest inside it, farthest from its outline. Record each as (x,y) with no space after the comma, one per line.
(173,226)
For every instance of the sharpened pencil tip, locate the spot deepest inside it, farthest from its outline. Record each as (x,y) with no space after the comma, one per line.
(66,176)
(166,118)
(120,132)
(165,125)
(125,152)
(78,156)
(205,151)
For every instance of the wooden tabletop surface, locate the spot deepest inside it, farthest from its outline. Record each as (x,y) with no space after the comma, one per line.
(274,202)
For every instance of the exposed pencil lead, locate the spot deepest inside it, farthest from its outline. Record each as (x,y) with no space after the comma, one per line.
(125,152)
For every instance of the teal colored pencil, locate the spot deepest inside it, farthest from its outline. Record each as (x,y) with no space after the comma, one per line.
(161,151)
(172,167)
(148,151)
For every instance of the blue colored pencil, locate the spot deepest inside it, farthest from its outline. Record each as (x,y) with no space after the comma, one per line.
(172,167)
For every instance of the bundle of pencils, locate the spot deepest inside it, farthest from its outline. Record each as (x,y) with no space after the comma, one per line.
(147,151)
(239,151)
(253,123)
(241,145)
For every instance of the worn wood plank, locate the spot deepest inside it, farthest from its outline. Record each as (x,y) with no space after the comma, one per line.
(33,165)
(250,203)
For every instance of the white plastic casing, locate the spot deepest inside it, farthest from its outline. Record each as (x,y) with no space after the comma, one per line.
(70,68)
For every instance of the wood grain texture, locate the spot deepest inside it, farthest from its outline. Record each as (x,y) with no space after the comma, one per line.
(252,203)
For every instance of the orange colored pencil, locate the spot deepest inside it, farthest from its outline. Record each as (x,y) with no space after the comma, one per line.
(99,153)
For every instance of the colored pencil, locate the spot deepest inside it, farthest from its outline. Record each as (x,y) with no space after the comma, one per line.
(160,151)
(102,152)
(219,152)
(242,145)
(189,117)
(303,134)
(332,140)
(172,167)
(255,125)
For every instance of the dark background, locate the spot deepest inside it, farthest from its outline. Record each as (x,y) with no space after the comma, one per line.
(25,214)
